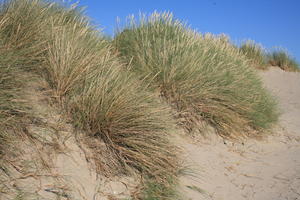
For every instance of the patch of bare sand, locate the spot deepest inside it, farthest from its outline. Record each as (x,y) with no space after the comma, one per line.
(262,170)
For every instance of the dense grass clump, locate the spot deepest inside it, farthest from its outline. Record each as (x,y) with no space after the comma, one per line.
(13,109)
(154,190)
(201,76)
(9,110)
(255,53)
(14,115)
(283,60)
(92,85)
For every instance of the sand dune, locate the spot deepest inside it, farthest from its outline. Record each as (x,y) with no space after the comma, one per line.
(259,169)
(265,169)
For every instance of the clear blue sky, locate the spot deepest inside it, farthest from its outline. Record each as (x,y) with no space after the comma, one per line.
(269,22)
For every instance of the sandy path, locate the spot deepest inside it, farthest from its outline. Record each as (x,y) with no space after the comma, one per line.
(286,86)
(259,170)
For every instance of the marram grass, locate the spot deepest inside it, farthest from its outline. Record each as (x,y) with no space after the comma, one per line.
(255,53)
(282,59)
(201,76)
(92,85)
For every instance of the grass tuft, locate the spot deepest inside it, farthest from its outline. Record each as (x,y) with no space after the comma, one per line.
(282,59)
(255,53)
(154,190)
(12,108)
(201,76)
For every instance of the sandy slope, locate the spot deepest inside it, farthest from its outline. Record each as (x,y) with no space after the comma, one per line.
(53,163)
(54,166)
(268,169)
